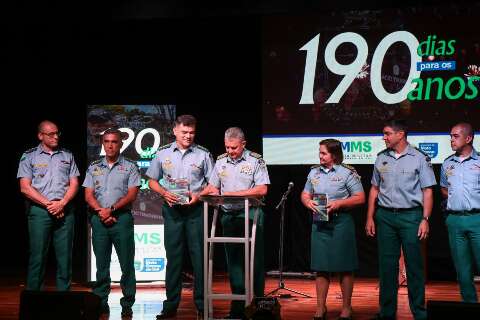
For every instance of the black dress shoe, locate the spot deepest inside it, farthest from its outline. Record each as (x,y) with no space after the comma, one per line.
(167,314)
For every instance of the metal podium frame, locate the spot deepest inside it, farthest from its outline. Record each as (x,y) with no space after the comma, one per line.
(209,241)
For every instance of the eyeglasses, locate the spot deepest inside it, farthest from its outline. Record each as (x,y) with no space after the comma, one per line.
(52,134)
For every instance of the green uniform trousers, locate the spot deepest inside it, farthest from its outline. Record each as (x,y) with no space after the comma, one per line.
(121,236)
(43,228)
(464,238)
(183,230)
(395,229)
(233,224)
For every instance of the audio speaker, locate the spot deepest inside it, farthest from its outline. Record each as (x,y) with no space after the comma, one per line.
(72,305)
(452,310)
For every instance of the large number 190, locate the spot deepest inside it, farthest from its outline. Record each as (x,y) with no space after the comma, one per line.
(138,140)
(350,71)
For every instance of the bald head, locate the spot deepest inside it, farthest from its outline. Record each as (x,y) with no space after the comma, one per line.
(45,124)
(461,138)
(48,134)
(466,129)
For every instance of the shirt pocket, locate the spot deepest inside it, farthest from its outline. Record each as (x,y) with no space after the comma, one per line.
(64,168)
(407,175)
(386,177)
(39,171)
(120,180)
(196,170)
(477,173)
(97,182)
(245,179)
(338,190)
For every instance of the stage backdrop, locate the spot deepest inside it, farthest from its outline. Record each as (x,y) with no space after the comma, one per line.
(341,75)
(148,127)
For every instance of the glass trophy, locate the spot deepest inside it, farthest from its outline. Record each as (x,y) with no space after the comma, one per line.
(181,188)
(321,199)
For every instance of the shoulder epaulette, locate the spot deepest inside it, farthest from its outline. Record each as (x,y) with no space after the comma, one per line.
(421,151)
(202,148)
(349,167)
(168,145)
(65,150)
(96,162)
(130,160)
(383,151)
(31,150)
(222,156)
(255,155)
(449,157)
(315,166)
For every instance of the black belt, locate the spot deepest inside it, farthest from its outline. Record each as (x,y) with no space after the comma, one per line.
(400,209)
(464,212)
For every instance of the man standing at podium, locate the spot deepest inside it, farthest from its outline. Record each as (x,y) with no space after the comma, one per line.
(460,182)
(240,172)
(178,173)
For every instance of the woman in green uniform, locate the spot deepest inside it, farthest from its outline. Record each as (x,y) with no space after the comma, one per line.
(333,244)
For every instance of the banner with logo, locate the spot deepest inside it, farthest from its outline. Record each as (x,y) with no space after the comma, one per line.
(282,150)
(344,74)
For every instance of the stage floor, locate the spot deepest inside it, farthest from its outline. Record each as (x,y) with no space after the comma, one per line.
(149,298)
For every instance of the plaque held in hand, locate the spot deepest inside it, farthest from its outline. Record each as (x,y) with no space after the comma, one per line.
(321,200)
(181,188)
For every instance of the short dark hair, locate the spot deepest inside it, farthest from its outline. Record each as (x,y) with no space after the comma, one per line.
(334,147)
(397,125)
(187,120)
(467,129)
(115,131)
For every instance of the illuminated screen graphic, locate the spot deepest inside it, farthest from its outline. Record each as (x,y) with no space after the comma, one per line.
(343,75)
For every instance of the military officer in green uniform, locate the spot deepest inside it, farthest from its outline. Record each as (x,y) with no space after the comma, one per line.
(181,165)
(399,206)
(49,180)
(240,172)
(460,185)
(111,185)
(333,243)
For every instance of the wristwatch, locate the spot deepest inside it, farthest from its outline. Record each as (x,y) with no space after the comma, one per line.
(426,218)
(112,208)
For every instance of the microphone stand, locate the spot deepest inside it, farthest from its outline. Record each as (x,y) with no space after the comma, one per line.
(281,283)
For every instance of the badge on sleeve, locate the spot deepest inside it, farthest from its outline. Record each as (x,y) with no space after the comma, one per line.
(262,163)
(429,161)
